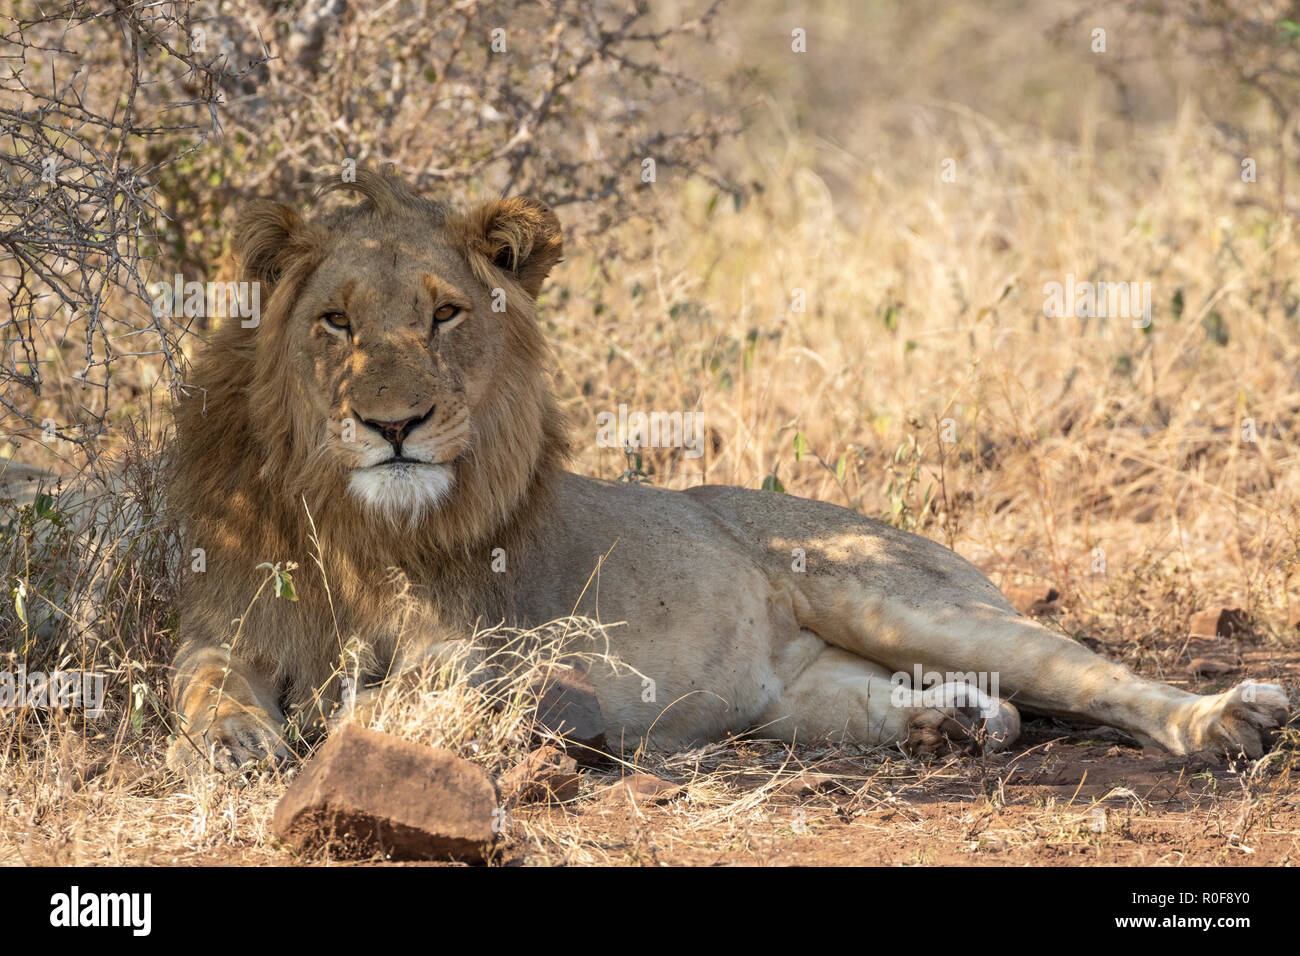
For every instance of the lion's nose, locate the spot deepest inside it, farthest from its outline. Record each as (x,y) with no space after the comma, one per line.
(395,432)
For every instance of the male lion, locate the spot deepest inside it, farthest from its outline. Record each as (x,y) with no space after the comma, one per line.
(392,410)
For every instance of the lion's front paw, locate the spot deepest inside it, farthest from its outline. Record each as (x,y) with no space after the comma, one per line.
(232,741)
(1241,720)
(962,720)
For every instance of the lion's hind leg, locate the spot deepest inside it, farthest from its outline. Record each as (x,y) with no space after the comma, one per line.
(847,698)
(1048,673)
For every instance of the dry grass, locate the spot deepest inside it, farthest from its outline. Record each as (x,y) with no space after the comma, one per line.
(924,301)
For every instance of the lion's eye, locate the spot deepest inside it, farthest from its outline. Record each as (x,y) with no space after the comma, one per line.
(445,313)
(336,320)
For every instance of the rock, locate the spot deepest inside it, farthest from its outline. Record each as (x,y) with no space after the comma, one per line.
(365,792)
(1208,667)
(1033,599)
(640,788)
(568,708)
(545,774)
(1219,622)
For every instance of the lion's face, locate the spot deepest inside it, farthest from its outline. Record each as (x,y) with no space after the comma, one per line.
(395,344)
(404,337)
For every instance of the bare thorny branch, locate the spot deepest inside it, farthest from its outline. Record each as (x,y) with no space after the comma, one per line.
(130,134)
(78,204)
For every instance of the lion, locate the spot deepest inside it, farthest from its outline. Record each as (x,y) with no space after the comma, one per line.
(392,409)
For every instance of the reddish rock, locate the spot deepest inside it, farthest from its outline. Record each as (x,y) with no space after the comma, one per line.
(1208,667)
(568,708)
(545,774)
(1033,599)
(1219,622)
(365,792)
(640,788)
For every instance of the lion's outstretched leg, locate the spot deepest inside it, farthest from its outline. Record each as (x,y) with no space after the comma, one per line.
(848,699)
(228,713)
(1045,672)
(902,600)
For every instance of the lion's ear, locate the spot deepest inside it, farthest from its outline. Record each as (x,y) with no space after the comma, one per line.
(522,237)
(263,240)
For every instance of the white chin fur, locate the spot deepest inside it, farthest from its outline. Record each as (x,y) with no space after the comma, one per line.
(403,493)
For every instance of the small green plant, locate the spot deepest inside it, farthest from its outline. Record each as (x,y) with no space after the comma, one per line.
(901,486)
(635,471)
(282,579)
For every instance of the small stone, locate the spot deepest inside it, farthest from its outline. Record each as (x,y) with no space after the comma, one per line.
(567,707)
(1208,667)
(640,788)
(546,774)
(366,792)
(1033,599)
(1219,622)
